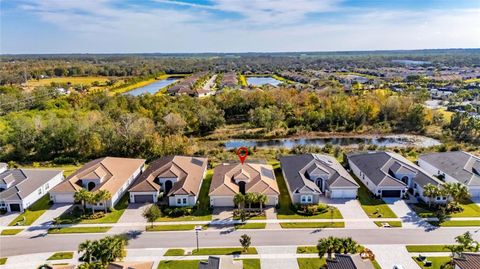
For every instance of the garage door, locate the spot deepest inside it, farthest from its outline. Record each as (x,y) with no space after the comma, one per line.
(221,201)
(15,207)
(352,193)
(144,198)
(66,198)
(391,193)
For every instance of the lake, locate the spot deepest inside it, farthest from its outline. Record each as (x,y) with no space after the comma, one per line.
(387,141)
(152,87)
(260,81)
(410,62)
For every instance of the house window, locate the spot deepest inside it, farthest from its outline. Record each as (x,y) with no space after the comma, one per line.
(184,201)
(47,186)
(444,198)
(306,199)
(39,191)
(179,201)
(438,198)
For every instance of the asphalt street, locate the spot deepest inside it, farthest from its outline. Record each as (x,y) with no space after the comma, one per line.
(216,238)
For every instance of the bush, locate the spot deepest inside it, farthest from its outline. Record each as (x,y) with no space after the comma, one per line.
(174,212)
(64,160)
(311,209)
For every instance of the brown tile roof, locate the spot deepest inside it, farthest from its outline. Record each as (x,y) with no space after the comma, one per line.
(188,170)
(130,265)
(113,171)
(260,178)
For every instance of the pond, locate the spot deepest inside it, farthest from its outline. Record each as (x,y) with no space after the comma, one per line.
(387,141)
(152,87)
(260,81)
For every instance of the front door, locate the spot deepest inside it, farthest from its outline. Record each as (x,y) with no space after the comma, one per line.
(168,186)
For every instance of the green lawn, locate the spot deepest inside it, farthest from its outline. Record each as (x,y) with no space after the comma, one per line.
(3,261)
(293,225)
(285,204)
(311,263)
(375,208)
(110,217)
(223,251)
(203,212)
(427,248)
(376,265)
(183,264)
(437,262)
(183,227)
(394,224)
(457,223)
(470,209)
(61,256)
(33,212)
(174,252)
(307,249)
(251,264)
(11,231)
(251,226)
(68,169)
(74,230)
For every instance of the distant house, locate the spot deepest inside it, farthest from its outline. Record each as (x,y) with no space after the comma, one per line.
(224,262)
(467,261)
(310,176)
(230,179)
(20,188)
(109,173)
(130,265)
(387,174)
(347,261)
(455,166)
(177,177)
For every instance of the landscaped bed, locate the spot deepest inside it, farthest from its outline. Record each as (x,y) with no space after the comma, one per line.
(74,230)
(182,227)
(437,262)
(11,231)
(32,213)
(427,248)
(61,256)
(297,225)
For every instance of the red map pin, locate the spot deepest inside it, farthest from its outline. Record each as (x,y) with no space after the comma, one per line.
(242,154)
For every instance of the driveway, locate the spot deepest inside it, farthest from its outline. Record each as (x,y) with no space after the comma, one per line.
(133,214)
(351,209)
(271,213)
(389,255)
(7,218)
(409,218)
(53,212)
(278,257)
(222,214)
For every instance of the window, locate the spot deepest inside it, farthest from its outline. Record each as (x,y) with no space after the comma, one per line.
(306,199)
(184,201)
(47,186)
(438,198)
(179,201)
(444,198)
(40,191)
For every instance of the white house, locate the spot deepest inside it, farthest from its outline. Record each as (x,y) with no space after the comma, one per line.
(455,166)
(109,173)
(20,188)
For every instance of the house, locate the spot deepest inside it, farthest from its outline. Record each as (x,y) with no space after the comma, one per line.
(130,265)
(20,188)
(224,262)
(467,261)
(109,173)
(455,166)
(348,261)
(389,175)
(177,177)
(232,178)
(310,176)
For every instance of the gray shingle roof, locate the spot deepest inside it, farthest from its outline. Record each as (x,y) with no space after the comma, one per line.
(297,168)
(344,261)
(460,165)
(468,261)
(24,181)
(380,166)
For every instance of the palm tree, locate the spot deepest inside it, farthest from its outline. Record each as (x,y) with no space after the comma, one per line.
(327,246)
(239,199)
(449,190)
(349,245)
(88,248)
(262,199)
(93,200)
(82,196)
(431,191)
(250,198)
(461,192)
(104,196)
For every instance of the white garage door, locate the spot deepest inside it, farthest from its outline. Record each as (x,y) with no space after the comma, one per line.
(221,201)
(345,193)
(63,198)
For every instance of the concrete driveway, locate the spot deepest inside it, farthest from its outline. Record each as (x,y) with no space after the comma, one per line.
(409,218)
(7,218)
(352,210)
(389,255)
(222,214)
(133,214)
(278,257)
(53,212)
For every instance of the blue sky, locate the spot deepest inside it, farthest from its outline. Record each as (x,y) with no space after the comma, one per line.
(116,26)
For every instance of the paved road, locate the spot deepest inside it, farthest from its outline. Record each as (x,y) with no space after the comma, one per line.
(24,245)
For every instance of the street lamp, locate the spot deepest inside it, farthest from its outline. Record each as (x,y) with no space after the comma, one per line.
(197,229)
